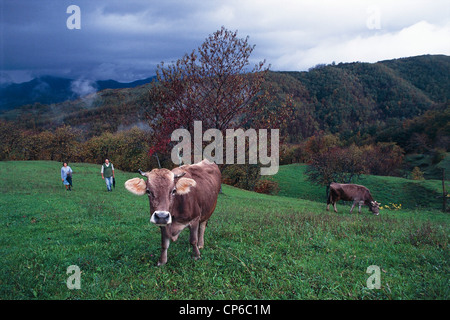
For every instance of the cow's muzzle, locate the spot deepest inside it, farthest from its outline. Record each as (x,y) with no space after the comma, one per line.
(161,218)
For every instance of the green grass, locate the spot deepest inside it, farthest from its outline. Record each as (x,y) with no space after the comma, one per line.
(411,194)
(256,246)
(427,165)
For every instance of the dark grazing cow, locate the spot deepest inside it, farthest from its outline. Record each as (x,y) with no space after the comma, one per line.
(183,197)
(352,192)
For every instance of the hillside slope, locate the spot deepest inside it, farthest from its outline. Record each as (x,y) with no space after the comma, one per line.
(256,246)
(364,97)
(411,194)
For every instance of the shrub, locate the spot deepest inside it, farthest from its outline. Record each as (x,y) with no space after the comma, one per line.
(243,176)
(417,174)
(267,187)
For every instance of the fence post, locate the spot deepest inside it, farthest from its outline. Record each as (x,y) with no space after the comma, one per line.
(444,193)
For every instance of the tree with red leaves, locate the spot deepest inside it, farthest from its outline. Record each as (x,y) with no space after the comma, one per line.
(214,84)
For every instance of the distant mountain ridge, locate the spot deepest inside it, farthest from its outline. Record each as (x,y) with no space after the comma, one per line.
(49,90)
(360,100)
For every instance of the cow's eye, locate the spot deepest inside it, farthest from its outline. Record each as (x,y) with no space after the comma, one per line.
(173,191)
(149,192)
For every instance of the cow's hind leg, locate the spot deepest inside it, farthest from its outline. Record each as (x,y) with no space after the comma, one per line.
(201,233)
(329,201)
(193,239)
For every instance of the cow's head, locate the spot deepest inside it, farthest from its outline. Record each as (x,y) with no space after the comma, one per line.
(161,187)
(374,207)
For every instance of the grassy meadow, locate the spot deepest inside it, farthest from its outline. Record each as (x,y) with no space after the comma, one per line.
(256,246)
(410,194)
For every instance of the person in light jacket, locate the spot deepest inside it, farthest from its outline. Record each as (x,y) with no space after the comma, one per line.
(66,176)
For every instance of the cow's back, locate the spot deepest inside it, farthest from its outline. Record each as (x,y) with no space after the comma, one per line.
(349,192)
(202,198)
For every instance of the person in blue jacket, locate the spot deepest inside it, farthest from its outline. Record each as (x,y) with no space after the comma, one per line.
(66,176)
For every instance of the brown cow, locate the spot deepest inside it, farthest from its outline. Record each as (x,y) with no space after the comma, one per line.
(183,197)
(352,192)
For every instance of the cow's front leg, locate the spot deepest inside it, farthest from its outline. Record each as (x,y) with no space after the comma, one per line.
(201,234)
(353,205)
(359,208)
(194,239)
(165,242)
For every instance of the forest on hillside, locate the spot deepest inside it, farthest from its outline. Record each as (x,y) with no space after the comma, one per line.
(395,112)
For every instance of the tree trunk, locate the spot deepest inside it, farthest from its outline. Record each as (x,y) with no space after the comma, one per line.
(157,158)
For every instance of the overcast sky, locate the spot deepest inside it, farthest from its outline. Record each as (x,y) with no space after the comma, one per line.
(124,40)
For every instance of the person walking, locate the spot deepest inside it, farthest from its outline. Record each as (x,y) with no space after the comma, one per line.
(66,176)
(108,174)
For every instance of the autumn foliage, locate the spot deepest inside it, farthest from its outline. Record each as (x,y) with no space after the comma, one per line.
(343,119)
(214,84)
(332,161)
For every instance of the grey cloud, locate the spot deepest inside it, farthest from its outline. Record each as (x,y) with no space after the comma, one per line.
(124,40)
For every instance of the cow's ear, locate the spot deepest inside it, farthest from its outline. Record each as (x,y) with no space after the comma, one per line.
(184,185)
(136,186)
